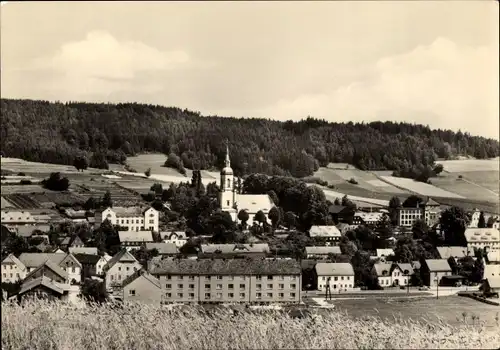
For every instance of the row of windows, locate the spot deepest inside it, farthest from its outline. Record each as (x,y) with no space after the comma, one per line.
(219,295)
(231,286)
(387,282)
(335,286)
(336,278)
(208,278)
(11,275)
(127,268)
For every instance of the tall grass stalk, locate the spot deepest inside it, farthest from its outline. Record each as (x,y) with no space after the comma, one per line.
(55,325)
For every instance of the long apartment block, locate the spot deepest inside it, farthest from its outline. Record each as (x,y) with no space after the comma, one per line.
(228,280)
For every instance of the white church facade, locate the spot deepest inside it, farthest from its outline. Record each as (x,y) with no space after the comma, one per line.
(232,202)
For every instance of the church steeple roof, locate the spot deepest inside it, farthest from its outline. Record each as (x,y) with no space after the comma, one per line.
(227,163)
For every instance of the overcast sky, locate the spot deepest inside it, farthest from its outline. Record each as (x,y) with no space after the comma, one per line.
(432,62)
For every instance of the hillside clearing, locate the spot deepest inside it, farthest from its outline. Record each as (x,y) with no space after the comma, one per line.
(458,166)
(419,188)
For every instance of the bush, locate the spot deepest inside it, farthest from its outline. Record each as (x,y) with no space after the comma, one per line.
(315,180)
(25,182)
(21,174)
(353,181)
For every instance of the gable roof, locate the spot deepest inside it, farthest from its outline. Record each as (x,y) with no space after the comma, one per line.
(234,248)
(163,248)
(83,250)
(438,265)
(385,252)
(406,267)
(369,217)
(381,267)
(122,256)
(50,265)
(334,269)
(474,235)
(135,236)
(494,256)
(225,267)
(11,259)
(323,250)
(72,240)
(454,251)
(141,273)
(88,259)
(324,231)
(336,209)
(41,281)
(430,202)
(37,259)
(28,230)
(252,203)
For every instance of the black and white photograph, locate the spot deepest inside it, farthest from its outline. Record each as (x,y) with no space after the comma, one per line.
(213,175)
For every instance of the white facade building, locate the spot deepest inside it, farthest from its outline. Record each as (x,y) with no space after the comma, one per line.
(339,276)
(134,219)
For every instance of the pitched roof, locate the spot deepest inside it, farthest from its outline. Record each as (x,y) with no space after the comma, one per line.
(226,267)
(11,258)
(43,281)
(50,265)
(494,256)
(494,282)
(122,256)
(163,248)
(141,273)
(336,209)
(381,267)
(135,236)
(37,259)
(72,240)
(334,269)
(454,251)
(323,250)
(28,230)
(324,231)
(92,259)
(83,250)
(406,267)
(168,234)
(438,265)
(252,203)
(416,264)
(235,248)
(430,202)
(127,211)
(369,217)
(474,235)
(385,252)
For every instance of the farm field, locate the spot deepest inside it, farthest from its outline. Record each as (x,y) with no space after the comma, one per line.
(331,195)
(465,165)
(420,188)
(19,165)
(142,162)
(10,189)
(6,203)
(487,179)
(451,182)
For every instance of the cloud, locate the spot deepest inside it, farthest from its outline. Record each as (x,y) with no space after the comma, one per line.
(441,84)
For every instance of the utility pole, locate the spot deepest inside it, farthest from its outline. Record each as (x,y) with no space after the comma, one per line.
(437,285)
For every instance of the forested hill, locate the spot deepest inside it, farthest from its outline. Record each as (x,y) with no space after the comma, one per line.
(58,132)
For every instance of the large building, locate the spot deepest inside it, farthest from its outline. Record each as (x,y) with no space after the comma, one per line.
(338,276)
(134,219)
(428,210)
(228,280)
(232,202)
(482,238)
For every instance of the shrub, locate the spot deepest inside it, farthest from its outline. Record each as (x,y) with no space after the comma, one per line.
(21,174)
(353,181)
(25,182)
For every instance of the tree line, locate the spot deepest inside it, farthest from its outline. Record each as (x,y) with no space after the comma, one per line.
(107,133)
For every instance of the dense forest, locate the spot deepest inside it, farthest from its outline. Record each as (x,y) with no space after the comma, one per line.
(107,133)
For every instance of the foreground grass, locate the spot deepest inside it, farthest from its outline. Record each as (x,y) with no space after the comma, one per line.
(44,325)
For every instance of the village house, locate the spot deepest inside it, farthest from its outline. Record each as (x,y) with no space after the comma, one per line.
(47,280)
(453,251)
(142,287)
(428,210)
(474,218)
(92,264)
(344,228)
(493,257)
(384,253)
(65,261)
(339,276)
(134,218)
(330,234)
(83,250)
(483,238)
(491,270)
(433,270)
(232,202)
(72,241)
(31,230)
(229,280)
(394,274)
(322,252)
(364,218)
(13,269)
(250,250)
(179,238)
(119,267)
(165,249)
(135,239)
(341,214)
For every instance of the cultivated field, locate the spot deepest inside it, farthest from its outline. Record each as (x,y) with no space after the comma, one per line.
(459,166)
(19,165)
(6,203)
(142,162)
(468,189)
(420,188)
(10,189)
(331,195)
(56,326)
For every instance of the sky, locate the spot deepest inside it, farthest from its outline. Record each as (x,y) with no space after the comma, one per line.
(429,62)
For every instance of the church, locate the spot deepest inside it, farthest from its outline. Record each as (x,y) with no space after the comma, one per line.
(232,202)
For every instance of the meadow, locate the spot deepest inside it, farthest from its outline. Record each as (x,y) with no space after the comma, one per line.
(463,165)
(419,188)
(44,325)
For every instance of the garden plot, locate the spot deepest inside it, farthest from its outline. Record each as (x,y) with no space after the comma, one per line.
(420,188)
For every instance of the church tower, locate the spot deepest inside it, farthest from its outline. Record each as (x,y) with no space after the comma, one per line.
(227,185)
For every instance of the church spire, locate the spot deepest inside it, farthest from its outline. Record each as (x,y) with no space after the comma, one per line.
(227,162)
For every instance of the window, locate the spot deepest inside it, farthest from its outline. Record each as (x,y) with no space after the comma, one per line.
(270,286)
(180,295)
(219,277)
(228,182)
(73,270)
(119,277)
(151,221)
(169,277)
(292,285)
(112,277)
(207,295)
(131,292)
(258,286)
(270,278)
(292,295)
(282,278)
(342,278)
(281,286)
(181,277)
(242,295)
(335,278)
(137,221)
(230,295)
(191,295)
(127,221)
(219,295)
(348,278)
(258,278)
(128,268)
(219,286)
(259,295)
(230,286)
(168,295)
(242,286)
(227,203)
(269,295)
(180,286)
(207,286)
(17,275)
(119,268)
(323,278)
(207,278)
(191,286)
(281,295)
(191,278)
(168,286)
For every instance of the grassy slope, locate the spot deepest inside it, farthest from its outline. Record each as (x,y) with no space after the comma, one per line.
(44,325)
